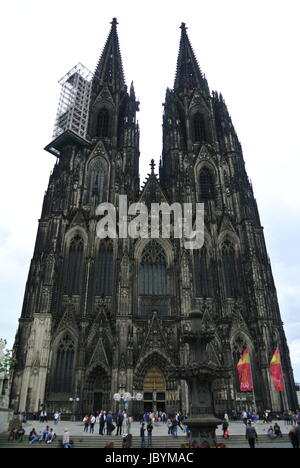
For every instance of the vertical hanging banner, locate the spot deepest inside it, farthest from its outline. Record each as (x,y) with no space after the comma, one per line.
(276,371)
(244,371)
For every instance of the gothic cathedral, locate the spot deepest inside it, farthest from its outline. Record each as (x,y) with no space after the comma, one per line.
(106,316)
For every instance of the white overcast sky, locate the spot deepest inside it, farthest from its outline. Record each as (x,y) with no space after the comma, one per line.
(249,51)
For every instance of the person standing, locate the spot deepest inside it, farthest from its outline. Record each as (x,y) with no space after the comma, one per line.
(225,429)
(175,428)
(125,419)
(92,423)
(86,421)
(179,420)
(142,434)
(169,425)
(102,421)
(120,419)
(149,430)
(129,423)
(251,435)
(56,417)
(109,423)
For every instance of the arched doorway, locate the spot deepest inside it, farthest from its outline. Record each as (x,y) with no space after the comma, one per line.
(154,390)
(97,391)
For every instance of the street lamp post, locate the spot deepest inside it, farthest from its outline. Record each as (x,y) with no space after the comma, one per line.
(127,397)
(74,401)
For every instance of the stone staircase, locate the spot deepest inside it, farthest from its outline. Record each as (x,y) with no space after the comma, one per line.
(163,442)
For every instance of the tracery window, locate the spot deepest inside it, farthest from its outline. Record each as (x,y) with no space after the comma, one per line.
(153,271)
(201,273)
(104,270)
(229,269)
(96,181)
(75,266)
(206,185)
(63,379)
(199,128)
(103,123)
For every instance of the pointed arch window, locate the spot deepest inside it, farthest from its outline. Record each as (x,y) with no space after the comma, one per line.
(104,270)
(199,128)
(63,378)
(103,123)
(201,273)
(96,181)
(75,266)
(153,271)
(206,185)
(229,269)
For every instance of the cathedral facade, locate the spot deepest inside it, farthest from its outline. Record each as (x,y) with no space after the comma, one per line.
(106,316)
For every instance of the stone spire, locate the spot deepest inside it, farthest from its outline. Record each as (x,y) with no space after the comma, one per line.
(188,73)
(110,69)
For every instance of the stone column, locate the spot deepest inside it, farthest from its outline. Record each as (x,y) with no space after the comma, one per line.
(200,373)
(37,362)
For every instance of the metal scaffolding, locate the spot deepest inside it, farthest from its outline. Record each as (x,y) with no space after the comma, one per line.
(73,108)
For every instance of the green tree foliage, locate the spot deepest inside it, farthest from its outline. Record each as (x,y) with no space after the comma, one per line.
(7,360)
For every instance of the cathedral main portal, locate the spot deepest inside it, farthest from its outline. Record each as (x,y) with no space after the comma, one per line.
(154,391)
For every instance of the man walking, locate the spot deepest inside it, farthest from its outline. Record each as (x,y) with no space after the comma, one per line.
(251,435)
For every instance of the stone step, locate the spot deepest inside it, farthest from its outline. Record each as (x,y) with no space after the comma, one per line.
(158,442)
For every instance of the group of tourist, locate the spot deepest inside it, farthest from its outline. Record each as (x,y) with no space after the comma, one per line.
(121,422)
(107,423)
(273,432)
(291,418)
(155,416)
(47,435)
(294,434)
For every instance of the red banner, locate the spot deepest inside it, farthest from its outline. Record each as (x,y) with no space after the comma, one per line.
(244,370)
(276,371)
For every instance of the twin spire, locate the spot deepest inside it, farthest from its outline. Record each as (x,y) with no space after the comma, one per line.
(110,69)
(188,73)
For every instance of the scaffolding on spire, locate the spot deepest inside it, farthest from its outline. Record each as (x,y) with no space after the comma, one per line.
(73,109)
